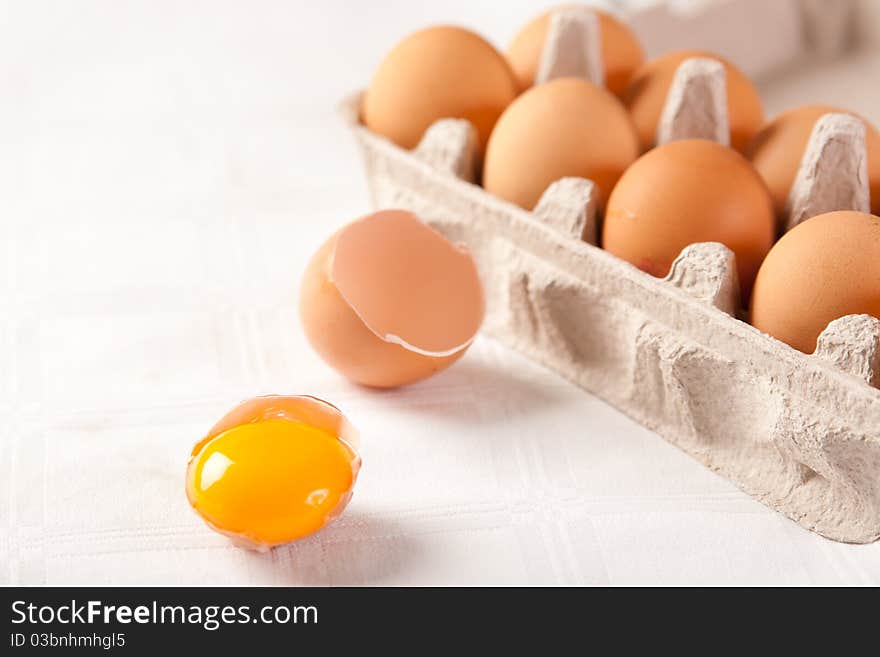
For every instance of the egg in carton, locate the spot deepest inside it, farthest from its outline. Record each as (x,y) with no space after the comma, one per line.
(799,432)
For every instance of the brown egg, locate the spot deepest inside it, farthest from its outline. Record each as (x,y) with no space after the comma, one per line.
(387,300)
(821,270)
(622,53)
(566,127)
(439,72)
(777,150)
(646,95)
(684,192)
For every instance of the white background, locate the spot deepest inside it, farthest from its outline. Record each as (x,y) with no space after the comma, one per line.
(166,169)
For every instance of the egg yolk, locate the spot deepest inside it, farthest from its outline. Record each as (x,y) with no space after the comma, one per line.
(272,481)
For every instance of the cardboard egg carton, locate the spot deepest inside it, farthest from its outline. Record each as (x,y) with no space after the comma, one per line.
(800,433)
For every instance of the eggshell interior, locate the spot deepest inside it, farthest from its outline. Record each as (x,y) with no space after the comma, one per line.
(408,284)
(297,408)
(346,343)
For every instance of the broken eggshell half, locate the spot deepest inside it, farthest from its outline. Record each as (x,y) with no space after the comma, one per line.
(388,301)
(274,469)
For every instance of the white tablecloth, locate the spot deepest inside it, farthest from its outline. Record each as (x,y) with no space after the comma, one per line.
(165,171)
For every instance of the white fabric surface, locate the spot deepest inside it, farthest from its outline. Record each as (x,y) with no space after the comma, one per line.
(165,171)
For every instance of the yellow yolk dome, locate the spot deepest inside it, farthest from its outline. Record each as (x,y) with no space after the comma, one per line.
(271,480)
